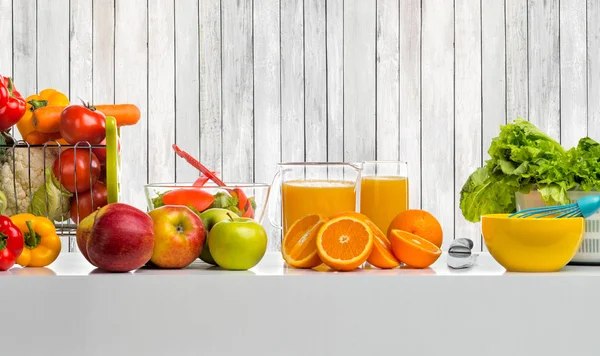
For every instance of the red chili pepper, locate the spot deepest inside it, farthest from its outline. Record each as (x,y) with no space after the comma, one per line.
(11,243)
(243,202)
(201,181)
(12,104)
(198,198)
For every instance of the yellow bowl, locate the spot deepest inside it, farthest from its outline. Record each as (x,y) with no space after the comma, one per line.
(532,245)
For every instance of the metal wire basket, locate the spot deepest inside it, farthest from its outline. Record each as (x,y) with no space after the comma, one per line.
(22,160)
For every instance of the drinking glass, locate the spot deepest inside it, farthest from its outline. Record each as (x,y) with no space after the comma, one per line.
(383,191)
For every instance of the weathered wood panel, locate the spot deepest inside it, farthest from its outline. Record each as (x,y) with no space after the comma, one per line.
(335,80)
(573,76)
(131,69)
(161,90)
(80,51)
(315,84)
(467,105)
(410,96)
(186,131)
(292,81)
(359,80)
(437,63)
(544,66)
(210,84)
(238,76)
(388,88)
(267,100)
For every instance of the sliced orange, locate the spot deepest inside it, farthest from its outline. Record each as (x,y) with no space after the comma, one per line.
(381,255)
(299,247)
(413,250)
(419,222)
(345,242)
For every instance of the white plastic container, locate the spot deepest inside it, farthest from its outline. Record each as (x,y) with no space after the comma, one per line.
(589,251)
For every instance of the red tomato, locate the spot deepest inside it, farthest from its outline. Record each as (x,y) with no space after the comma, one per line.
(85,202)
(78,123)
(101,152)
(80,164)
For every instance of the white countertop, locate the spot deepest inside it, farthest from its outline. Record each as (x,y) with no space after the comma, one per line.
(71,308)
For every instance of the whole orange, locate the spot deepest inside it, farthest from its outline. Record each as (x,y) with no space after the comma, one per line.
(420,223)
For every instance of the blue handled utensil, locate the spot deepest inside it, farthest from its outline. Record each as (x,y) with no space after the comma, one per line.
(584,207)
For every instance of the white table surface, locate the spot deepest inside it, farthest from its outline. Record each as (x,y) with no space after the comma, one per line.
(70,308)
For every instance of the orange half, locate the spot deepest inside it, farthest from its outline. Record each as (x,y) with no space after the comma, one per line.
(413,250)
(381,256)
(345,242)
(299,247)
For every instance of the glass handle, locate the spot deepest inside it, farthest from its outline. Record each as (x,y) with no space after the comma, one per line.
(272,206)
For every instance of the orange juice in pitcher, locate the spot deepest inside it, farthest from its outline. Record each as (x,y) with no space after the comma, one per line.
(324,197)
(306,188)
(383,191)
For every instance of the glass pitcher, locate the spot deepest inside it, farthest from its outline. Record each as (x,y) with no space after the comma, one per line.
(304,188)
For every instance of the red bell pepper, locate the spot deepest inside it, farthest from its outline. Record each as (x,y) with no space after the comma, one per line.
(198,198)
(12,104)
(11,243)
(243,203)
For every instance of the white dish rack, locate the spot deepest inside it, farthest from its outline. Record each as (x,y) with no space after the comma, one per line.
(589,251)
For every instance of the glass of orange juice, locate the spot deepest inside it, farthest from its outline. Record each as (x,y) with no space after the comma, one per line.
(383,191)
(313,188)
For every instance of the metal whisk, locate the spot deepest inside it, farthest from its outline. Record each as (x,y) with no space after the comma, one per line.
(584,207)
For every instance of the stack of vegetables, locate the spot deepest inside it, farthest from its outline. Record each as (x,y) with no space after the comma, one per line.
(55,182)
(523,159)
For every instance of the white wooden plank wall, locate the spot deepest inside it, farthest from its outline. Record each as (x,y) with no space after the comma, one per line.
(246,84)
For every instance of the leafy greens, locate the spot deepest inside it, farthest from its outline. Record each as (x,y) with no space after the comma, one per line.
(522,158)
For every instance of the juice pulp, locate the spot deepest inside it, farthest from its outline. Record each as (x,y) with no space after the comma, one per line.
(382,198)
(325,197)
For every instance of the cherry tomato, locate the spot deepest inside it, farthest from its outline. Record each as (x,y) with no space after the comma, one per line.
(79,123)
(85,202)
(80,164)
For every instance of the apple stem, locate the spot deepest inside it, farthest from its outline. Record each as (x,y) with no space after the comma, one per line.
(230,217)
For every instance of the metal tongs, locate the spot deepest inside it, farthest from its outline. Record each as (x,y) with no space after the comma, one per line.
(460,255)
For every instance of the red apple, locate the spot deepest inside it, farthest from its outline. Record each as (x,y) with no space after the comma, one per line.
(179,236)
(122,238)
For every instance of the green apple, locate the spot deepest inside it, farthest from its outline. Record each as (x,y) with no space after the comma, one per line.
(237,243)
(209,218)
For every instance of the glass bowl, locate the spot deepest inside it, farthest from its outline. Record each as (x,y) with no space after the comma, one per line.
(224,197)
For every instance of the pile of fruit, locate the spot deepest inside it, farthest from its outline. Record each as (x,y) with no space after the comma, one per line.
(122,238)
(181,228)
(345,241)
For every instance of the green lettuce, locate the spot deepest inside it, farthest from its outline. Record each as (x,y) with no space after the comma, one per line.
(521,158)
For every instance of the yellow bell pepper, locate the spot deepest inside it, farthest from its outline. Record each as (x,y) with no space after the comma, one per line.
(42,244)
(47,97)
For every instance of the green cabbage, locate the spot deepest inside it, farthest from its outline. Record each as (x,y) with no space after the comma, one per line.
(58,203)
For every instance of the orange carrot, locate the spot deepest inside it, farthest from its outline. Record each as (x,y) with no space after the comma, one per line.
(125,114)
(47,119)
(39,138)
